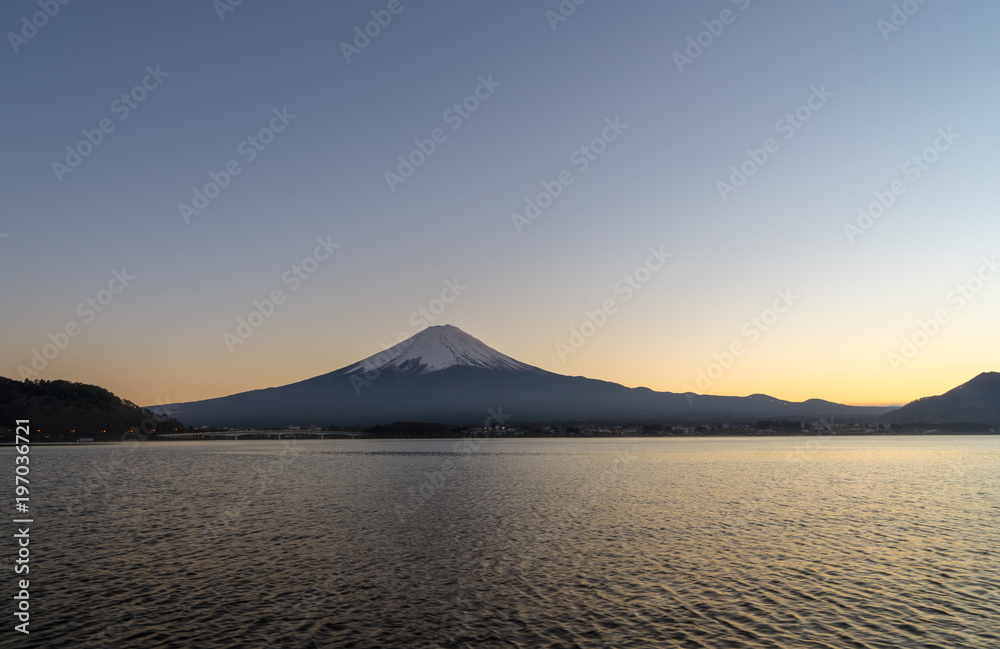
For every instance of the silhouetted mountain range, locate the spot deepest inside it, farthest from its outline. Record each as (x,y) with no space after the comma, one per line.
(445,375)
(977,401)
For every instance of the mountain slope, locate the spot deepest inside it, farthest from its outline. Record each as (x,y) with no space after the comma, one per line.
(977,401)
(438,348)
(443,374)
(63,410)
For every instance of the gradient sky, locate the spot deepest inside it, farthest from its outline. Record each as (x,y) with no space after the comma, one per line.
(161,338)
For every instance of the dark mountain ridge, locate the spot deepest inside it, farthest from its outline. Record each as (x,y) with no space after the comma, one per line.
(443,374)
(976,401)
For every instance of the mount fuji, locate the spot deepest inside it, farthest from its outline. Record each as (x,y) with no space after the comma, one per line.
(443,374)
(438,348)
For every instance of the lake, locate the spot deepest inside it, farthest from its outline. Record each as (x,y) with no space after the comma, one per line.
(755,542)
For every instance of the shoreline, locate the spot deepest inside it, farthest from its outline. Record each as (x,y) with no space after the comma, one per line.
(932,433)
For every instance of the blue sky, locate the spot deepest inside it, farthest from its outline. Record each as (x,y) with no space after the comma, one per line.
(860,299)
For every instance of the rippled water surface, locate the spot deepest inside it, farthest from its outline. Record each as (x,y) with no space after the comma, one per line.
(749,542)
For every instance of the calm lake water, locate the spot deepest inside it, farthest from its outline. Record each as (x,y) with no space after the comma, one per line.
(823,542)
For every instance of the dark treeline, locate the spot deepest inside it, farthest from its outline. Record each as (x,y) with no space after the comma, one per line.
(956,427)
(67,411)
(782,424)
(433,429)
(412,429)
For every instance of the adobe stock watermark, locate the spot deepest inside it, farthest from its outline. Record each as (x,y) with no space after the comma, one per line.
(562,13)
(900,15)
(87,310)
(420,319)
(122,106)
(112,465)
(585,499)
(435,481)
(312,604)
(714,27)
(250,148)
(957,299)
(768,491)
(913,170)
(750,332)
(265,308)
(455,116)
(581,158)
(111,634)
(31,25)
(363,34)
(627,287)
(787,126)
(223,7)
(259,485)
(949,473)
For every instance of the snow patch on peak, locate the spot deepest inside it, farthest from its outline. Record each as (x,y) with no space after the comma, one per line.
(437,348)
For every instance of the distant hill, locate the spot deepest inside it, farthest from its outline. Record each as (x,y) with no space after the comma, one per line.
(66,411)
(977,401)
(445,375)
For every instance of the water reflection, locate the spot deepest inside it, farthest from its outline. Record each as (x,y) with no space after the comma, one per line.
(756,542)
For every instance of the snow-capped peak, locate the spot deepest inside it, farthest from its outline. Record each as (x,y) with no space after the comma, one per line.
(437,348)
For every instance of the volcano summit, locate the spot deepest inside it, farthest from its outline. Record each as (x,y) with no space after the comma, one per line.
(445,375)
